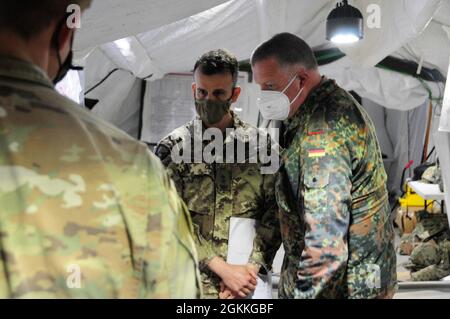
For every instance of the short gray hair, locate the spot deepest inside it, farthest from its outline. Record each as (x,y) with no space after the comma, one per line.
(288,50)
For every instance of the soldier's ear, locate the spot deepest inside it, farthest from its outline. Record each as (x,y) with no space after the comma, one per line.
(303,75)
(236,92)
(194,89)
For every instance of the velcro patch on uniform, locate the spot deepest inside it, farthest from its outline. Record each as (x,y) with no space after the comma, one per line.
(316,133)
(317,152)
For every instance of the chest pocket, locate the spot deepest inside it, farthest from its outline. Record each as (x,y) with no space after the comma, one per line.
(198,189)
(316,179)
(316,173)
(198,194)
(246,190)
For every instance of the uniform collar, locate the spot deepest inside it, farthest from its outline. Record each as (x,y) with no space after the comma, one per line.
(20,70)
(321,92)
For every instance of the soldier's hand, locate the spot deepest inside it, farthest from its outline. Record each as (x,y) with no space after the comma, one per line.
(240,280)
(226,293)
(253,269)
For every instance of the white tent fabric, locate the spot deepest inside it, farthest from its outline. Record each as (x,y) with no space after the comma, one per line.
(120,106)
(109,20)
(157,37)
(72,86)
(175,47)
(240,25)
(97,66)
(444,125)
(387,88)
(401,136)
(432,45)
(401,22)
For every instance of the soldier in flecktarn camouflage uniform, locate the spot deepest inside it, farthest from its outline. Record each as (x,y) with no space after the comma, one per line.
(85,210)
(217,190)
(332,193)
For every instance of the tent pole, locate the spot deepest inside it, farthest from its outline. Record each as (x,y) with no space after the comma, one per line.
(427,135)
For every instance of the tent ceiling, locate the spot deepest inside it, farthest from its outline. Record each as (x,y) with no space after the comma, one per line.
(164,36)
(442,16)
(432,45)
(401,22)
(165,28)
(109,20)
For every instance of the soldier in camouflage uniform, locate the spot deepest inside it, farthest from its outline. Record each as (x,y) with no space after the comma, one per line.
(332,187)
(85,210)
(218,190)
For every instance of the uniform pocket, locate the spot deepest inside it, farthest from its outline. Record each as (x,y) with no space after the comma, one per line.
(364,281)
(198,189)
(198,194)
(246,188)
(316,180)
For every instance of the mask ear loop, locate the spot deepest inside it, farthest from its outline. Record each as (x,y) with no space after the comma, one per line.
(55,42)
(299,93)
(289,84)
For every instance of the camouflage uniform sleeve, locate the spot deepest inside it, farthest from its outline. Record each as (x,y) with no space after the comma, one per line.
(326,192)
(268,234)
(5,291)
(163,150)
(179,271)
(204,248)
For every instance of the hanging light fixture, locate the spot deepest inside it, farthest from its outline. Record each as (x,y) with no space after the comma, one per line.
(345,24)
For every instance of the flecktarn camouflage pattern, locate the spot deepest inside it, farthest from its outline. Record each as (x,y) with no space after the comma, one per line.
(332,193)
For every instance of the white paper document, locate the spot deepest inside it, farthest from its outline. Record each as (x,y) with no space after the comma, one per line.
(240,246)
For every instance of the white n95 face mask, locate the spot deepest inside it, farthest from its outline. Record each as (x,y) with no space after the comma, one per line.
(275,105)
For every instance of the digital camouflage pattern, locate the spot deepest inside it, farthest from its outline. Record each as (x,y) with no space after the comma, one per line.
(85,210)
(332,193)
(429,227)
(218,191)
(426,254)
(428,246)
(431,261)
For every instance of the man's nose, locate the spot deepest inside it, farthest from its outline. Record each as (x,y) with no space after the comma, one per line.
(212,98)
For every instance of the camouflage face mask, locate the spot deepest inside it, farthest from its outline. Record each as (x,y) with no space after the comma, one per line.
(211,112)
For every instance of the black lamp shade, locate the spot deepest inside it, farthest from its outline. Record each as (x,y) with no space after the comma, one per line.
(345,22)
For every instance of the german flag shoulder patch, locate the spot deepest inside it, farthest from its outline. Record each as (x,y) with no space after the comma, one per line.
(316,152)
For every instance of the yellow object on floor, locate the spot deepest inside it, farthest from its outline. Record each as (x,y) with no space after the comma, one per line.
(411,199)
(410,203)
